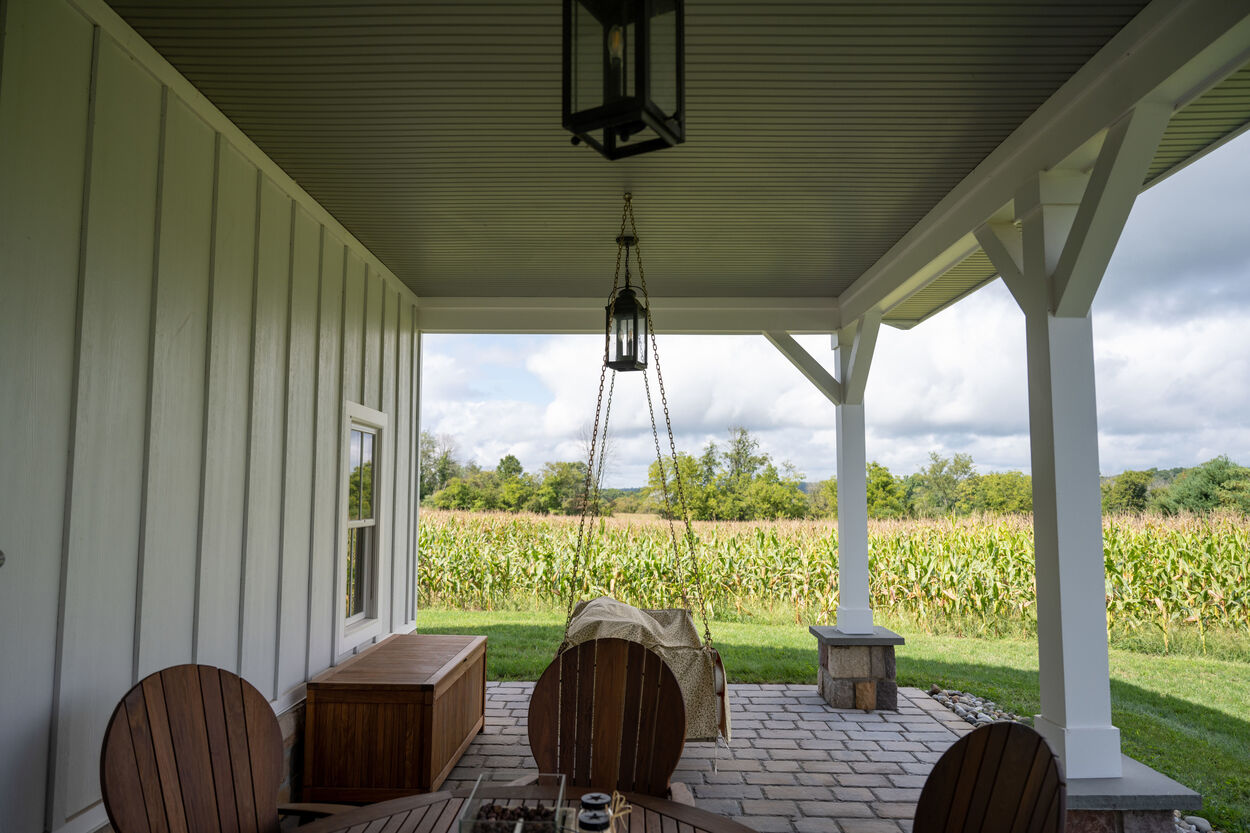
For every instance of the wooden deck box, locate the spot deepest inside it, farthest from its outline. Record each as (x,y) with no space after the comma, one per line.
(394,719)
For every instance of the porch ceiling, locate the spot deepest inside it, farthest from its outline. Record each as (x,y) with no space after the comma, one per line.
(818,133)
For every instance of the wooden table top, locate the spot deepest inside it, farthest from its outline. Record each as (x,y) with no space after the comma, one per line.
(437,813)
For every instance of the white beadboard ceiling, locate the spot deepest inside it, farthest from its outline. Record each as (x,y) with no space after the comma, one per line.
(818,132)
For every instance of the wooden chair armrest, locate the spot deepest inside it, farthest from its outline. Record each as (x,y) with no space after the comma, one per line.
(308,812)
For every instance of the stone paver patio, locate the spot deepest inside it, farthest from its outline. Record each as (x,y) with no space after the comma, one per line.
(795,764)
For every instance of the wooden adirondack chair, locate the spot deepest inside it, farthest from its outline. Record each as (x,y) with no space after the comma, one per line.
(609,714)
(1002,778)
(195,748)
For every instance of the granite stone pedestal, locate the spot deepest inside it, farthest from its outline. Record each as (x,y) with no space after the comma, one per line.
(1141,800)
(857,671)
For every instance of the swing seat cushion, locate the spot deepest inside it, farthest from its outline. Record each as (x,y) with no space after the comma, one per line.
(609,715)
(672,635)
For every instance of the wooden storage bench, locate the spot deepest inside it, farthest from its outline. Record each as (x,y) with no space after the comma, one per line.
(394,719)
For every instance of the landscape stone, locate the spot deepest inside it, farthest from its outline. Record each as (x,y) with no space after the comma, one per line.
(849,662)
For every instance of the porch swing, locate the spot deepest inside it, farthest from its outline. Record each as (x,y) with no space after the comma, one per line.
(615,645)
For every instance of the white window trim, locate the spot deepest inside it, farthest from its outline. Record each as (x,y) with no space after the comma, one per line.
(364,627)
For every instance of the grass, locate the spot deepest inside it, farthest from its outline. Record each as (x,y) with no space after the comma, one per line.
(1185,716)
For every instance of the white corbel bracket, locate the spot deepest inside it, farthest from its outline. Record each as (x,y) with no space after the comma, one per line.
(1072,220)
(807,365)
(855,345)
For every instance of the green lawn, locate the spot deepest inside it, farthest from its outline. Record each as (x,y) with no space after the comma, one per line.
(1186,716)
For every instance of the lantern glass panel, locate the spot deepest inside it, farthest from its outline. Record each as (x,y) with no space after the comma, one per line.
(663,48)
(625,346)
(640,344)
(603,60)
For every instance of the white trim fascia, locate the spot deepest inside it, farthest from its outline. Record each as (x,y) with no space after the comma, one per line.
(703,316)
(1168,53)
(112,24)
(947,260)
(806,364)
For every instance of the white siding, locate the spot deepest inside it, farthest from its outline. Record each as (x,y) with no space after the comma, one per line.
(180,326)
(107,445)
(176,398)
(41,179)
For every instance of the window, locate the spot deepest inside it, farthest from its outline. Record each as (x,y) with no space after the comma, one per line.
(361,529)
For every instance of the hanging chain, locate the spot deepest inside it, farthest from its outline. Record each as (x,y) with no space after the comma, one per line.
(591,495)
(587,504)
(700,598)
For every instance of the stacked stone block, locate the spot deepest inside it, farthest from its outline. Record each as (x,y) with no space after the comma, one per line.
(857,671)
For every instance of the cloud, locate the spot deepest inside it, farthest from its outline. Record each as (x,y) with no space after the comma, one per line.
(1183,251)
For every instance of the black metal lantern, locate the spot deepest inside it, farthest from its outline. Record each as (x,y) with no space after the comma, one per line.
(627,323)
(624,74)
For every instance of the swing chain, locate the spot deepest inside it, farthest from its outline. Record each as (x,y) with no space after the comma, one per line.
(590,505)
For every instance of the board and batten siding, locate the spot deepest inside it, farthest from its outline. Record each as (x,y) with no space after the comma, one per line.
(180,327)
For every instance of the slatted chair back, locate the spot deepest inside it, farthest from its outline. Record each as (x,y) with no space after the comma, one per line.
(192,749)
(1002,777)
(609,714)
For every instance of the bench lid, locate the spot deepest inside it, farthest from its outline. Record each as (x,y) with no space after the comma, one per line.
(419,661)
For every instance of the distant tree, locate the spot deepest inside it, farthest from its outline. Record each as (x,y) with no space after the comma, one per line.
(885,493)
(605,453)
(1127,492)
(698,491)
(628,503)
(437,459)
(996,493)
(560,490)
(737,484)
(824,498)
(741,462)
(935,489)
(1216,484)
(455,495)
(773,494)
(509,468)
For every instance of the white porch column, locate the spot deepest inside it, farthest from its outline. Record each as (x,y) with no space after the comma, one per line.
(854,611)
(854,347)
(1070,222)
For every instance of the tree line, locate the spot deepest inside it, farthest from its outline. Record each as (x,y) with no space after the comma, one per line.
(737,481)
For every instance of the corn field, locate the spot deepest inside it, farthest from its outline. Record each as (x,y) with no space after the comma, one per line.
(1162,574)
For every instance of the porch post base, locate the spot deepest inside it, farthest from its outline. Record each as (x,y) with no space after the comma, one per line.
(854,620)
(1120,821)
(1086,752)
(857,671)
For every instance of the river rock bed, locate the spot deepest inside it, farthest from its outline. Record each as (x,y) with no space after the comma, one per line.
(978,711)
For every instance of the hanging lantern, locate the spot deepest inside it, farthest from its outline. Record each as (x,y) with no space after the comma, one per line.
(627,323)
(624,74)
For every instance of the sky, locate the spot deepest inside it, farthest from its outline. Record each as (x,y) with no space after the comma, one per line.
(1171,348)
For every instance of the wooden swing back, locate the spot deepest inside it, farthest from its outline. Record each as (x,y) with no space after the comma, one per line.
(609,714)
(1001,777)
